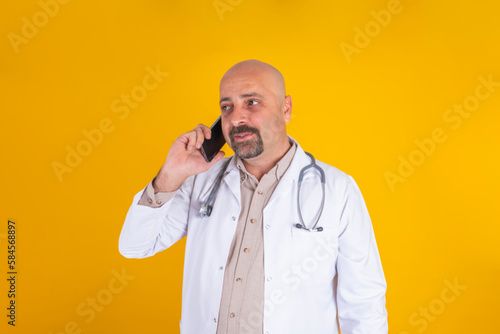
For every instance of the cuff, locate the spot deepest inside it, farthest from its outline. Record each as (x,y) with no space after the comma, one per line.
(149,198)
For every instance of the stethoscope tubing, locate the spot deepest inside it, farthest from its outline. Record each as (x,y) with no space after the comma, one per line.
(302,225)
(207,206)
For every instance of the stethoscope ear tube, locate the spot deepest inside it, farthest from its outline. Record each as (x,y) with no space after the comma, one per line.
(300,226)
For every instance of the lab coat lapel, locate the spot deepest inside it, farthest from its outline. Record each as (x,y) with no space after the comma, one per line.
(232,180)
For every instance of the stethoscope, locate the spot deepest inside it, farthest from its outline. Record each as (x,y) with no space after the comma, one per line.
(207,206)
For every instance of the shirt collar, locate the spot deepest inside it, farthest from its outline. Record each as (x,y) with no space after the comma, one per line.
(278,170)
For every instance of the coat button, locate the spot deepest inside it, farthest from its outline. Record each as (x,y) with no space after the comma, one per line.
(232,315)
(150,200)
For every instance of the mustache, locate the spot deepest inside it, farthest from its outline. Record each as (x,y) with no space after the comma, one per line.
(242,129)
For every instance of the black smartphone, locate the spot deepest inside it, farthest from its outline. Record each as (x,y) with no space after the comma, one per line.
(212,146)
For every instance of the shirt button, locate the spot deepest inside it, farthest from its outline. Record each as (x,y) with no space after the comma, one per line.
(252,221)
(232,315)
(233,218)
(269,279)
(238,280)
(221,267)
(268,226)
(215,319)
(246,250)
(150,200)
(158,202)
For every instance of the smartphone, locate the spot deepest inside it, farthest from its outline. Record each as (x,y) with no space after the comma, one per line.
(212,146)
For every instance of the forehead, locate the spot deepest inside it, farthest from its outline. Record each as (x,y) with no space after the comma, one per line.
(245,83)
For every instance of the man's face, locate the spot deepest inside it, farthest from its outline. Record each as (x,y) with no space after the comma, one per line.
(252,120)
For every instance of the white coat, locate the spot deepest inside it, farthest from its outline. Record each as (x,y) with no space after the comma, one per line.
(311,278)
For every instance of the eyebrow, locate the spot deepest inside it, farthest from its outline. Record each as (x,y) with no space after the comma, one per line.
(252,94)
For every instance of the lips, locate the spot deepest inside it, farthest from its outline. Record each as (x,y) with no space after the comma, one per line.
(242,136)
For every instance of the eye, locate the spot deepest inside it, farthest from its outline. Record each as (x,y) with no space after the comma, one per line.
(253,102)
(225,108)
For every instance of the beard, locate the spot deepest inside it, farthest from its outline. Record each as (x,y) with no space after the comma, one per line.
(247,149)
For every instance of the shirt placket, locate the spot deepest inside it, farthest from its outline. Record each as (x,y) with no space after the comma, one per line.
(249,249)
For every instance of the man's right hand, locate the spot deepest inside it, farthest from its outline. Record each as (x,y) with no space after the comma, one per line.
(184,159)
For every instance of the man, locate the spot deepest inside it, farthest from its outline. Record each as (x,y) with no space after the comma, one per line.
(252,266)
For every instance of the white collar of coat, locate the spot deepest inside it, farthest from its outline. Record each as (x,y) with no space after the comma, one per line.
(300,159)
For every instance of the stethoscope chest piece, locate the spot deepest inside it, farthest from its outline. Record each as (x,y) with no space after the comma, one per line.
(206,210)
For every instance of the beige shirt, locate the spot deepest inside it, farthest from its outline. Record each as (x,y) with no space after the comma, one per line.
(242,303)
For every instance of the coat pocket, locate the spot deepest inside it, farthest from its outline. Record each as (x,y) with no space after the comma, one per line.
(314,255)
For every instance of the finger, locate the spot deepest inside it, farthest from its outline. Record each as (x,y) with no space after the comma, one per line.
(200,136)
(191,140)
(207,132)
(218,157)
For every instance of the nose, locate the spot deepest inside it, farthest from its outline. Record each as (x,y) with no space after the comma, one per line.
(239,116)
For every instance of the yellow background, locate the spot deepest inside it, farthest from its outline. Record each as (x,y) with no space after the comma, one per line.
(441,224)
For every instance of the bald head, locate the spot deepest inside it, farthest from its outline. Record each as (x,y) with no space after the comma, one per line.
(252,68)
(254,113)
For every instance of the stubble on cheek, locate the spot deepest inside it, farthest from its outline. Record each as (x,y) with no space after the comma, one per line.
(273,129)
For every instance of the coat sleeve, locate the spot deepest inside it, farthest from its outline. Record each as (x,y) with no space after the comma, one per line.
(148,230)
(361,283)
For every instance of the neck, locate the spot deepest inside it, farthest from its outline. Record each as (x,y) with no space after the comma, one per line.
(261,165)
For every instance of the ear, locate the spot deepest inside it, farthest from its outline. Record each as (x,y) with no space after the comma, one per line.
(286,108)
